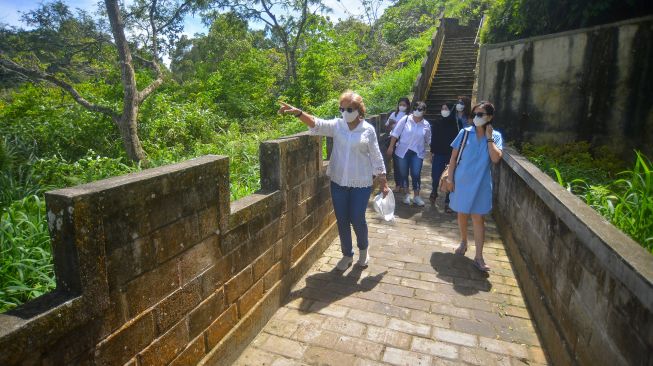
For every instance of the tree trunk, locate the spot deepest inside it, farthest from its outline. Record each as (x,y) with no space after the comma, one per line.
(127,122)
(128,128)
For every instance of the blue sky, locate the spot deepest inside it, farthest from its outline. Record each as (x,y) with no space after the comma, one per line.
(10,11)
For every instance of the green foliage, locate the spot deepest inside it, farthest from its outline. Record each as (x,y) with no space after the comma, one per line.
(514,19)
(575,160)
(627,201)
(222,100)
(26,269)
(409,18)
(381,95)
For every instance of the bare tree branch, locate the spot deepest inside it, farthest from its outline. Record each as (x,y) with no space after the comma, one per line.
(40,75)
(176,14)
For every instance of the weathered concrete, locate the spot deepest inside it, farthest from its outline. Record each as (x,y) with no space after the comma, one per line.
(158,267)
(593,84)
(589,286)
(416,304)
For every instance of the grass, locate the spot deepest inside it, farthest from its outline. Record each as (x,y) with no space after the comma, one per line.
(26,269)
(624,198)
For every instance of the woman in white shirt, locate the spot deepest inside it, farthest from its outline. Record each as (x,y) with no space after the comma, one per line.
(355,160)
(415,134)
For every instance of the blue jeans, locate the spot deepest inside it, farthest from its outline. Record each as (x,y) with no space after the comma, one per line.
(439,162)
(350,204)
(410,162)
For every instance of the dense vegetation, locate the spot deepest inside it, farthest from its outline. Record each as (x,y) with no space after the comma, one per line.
(219,97)
(625,198)
(515,19)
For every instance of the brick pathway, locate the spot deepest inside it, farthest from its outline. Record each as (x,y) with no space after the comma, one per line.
(416,304)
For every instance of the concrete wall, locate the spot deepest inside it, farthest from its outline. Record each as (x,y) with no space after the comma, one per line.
(588,286)
(159,268)
(593,84)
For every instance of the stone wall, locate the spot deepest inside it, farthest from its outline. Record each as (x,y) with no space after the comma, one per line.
(159,268)
(588,286)
(593,84)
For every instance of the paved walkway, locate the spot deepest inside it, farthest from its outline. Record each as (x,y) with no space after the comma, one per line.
(416,304)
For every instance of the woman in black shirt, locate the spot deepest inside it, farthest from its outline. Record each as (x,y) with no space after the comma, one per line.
(443,132)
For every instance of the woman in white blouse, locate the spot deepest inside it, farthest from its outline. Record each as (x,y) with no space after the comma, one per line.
(355,159)
(415,134)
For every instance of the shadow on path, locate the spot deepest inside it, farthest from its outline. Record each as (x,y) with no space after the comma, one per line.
(460,271)
(324,288)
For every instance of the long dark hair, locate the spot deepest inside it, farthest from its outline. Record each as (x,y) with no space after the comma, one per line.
(467,112)
(405,100)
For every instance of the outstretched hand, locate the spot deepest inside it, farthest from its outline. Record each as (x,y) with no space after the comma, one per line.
(288,109)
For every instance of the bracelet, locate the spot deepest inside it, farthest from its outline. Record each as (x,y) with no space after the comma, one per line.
(489,140)
(300,113)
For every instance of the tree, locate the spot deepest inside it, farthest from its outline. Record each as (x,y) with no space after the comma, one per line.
(285,20)
(155,23)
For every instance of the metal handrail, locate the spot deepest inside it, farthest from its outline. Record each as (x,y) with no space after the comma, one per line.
(478,31)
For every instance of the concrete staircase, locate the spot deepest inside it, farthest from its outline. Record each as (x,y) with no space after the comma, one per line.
(455,72)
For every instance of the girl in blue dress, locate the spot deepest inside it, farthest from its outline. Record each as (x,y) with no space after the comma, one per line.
(471,187)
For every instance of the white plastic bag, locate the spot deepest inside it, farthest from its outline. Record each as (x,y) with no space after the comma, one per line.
(385,207)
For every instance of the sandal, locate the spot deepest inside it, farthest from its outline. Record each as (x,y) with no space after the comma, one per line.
(462,248)
(481,266)
(448,209)
(432,197)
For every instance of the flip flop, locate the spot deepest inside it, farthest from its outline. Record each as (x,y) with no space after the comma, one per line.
(481,267)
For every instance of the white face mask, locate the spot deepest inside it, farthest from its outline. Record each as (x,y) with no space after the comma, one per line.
(445,114)
(349,117)
(402,108)
(460,107)
(479,121)
(417,113)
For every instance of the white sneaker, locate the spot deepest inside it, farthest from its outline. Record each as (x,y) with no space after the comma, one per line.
(344,263)
(407,199)
(363,258)
(418,201)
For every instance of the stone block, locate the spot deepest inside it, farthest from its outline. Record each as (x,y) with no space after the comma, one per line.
(198,258)
(234,238)
(397,356)
(263,264)
(221,326)
(237,286)
(203,315)
(175,307)
(209,221)
(121,346)
(165,348)
(214,277)
(250,298)
(174,238)
(151,287)
(272,277)
(192,354)
(131,260)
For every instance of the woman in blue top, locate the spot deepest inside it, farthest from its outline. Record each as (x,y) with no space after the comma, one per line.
(472,192)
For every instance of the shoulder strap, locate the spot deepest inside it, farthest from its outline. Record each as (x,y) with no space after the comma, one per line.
(462,147)
(402,118)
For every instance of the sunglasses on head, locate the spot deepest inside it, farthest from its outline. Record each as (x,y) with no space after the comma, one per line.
(349,110)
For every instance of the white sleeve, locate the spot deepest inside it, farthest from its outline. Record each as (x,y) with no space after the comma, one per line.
(427,133)
(378,167)
(324,127)
(392,116)
(399,127)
